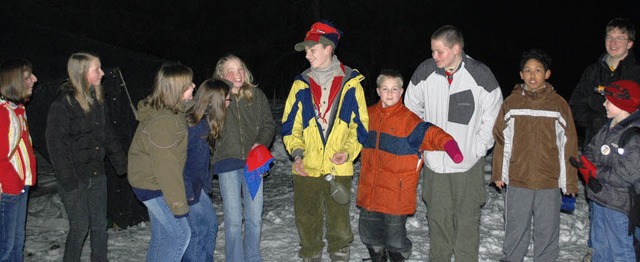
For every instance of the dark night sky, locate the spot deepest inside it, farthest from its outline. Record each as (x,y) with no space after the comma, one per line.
(377,34)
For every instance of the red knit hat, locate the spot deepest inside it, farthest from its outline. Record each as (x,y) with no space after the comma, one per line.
(625,94)
(258,161)
(322,32)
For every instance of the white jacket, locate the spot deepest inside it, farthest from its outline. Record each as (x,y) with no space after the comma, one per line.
(466,109)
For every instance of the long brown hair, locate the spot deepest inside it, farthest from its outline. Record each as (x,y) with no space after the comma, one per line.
(170,83)
(78,70)
(209,102)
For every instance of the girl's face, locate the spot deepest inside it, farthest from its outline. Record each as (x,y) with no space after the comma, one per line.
(29,80)
(188,94)
(234,72)
(95,73)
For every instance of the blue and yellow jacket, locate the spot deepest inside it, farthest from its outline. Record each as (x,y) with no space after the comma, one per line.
(302,135)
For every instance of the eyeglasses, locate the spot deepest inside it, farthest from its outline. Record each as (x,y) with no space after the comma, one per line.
(616,39)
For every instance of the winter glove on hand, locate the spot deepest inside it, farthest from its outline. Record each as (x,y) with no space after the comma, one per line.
(585,166)
(452,149)
(595,185)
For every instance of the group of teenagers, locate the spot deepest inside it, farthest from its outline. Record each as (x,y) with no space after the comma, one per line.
(450,116)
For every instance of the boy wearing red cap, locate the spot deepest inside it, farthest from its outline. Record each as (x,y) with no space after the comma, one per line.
(610,165)
(323,128)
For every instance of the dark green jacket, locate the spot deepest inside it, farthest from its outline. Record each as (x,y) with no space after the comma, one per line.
(244,125)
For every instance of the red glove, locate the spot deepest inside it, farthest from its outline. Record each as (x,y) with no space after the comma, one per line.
(452,149)
(585,166)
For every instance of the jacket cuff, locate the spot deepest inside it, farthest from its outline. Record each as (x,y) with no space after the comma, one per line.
(297,153)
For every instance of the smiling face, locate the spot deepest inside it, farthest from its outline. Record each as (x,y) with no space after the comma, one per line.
(234,72)
(319,56)
(617,44)
(445,57)
(95,73)
(389,91)
(534,74)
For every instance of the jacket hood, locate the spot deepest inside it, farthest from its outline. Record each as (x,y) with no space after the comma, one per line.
(521,89)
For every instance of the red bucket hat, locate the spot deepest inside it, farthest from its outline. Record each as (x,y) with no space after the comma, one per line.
(322,32)
(625,94)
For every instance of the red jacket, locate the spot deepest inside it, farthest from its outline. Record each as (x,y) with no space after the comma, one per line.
(17,159)
(390,158)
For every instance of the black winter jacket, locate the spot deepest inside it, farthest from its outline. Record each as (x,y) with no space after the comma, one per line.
(78,143)
(586,104)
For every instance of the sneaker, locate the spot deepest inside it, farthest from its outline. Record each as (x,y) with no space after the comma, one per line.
(316,258)
(342,255)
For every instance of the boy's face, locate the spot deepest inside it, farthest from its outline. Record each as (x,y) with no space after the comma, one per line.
(319,56)
(389,91)
(444,56)
(617,44)
(534,74)
(612,110)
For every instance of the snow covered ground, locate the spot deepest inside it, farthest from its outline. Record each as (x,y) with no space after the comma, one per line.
(46,230)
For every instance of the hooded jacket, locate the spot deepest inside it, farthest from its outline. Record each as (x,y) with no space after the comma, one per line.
(391,158)
(535,136)
(157,157)
(301,131)
(617,170)
(586,103)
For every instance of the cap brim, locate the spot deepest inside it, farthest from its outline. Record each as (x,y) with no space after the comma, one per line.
(300,46)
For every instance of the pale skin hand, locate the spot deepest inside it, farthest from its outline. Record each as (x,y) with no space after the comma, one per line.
(339,158)
(298,166)
(500,184)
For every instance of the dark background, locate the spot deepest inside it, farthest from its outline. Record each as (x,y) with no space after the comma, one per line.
(377,34)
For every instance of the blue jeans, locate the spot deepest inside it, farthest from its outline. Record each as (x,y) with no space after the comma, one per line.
(13,216)
(204,228)
(235,196)
(609,238)
(169,235)
(86,209)
(384,230)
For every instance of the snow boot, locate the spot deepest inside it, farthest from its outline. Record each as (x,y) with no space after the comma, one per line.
(377,253)
(341,255)
(396,256)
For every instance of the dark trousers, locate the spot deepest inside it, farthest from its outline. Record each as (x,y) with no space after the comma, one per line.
(384,230)
(86,208)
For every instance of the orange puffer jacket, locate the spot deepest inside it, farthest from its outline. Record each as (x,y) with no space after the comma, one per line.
(391,158)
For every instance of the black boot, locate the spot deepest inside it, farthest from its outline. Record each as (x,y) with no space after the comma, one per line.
(377,256)
(396,256)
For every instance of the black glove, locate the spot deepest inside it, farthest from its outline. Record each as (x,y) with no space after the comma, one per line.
(595,185)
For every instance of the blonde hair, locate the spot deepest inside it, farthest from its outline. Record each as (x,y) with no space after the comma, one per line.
(246,91)
(209,102)
(12,79)
(170,83)
(78,70)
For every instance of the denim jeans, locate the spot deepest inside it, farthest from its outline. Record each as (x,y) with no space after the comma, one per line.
(169,235)
(86,209)
(13,216)
(235,196)
(384,230)
(609,238)
(204,228)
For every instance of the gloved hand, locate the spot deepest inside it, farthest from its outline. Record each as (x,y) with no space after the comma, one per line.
(585,166)
(452,149)
(595,185)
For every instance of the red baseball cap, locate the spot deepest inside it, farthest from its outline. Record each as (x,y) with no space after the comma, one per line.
(321,32)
